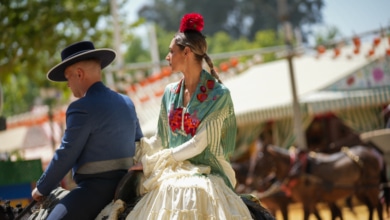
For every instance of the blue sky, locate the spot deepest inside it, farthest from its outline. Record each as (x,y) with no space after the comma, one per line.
(349,16)
(356,16)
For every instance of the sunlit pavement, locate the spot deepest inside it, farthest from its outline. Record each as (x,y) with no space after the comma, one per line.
(296,213)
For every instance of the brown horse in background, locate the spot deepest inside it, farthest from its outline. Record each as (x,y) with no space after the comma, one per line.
(270,194)
(318,177)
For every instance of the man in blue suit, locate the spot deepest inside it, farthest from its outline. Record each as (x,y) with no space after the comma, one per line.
(102,129)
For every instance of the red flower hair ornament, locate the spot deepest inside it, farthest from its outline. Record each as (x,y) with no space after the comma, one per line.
(192,21)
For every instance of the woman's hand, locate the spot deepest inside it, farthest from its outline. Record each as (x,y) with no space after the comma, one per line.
(137,166)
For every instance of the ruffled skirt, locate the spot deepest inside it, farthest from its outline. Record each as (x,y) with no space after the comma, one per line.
(181,191)
(191,198)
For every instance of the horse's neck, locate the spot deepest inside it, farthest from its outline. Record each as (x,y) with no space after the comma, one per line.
(282,160)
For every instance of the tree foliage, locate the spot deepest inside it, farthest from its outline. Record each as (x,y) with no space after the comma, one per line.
(33,32)
(220,42)
(327,35)
(32,35)
(235,17)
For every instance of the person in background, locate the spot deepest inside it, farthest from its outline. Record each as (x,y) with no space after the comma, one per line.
(102,129)
(186,164)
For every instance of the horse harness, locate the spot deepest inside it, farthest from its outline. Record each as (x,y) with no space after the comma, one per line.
(300,163)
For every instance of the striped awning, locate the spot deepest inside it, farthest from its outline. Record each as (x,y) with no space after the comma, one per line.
(320,102)
(254,117)
(325,101)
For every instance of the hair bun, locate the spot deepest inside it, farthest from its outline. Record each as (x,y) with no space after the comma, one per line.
(192,21)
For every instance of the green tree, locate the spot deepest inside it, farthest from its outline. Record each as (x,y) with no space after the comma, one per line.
(220,42)
(235,17)
(34,32)
(327,36)
(136,53)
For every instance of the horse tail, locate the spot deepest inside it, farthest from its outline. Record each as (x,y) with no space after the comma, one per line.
(385,188)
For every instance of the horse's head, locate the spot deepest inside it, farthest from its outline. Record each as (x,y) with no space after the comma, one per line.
(264,168)
(272,160)
(265,162)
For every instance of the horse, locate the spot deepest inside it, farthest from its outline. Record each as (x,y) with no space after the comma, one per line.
(311,178)
(269,193)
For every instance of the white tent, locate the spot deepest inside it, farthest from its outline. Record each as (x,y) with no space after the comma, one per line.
(264,92)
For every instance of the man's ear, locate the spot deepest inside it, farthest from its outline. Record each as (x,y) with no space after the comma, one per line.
(80,73)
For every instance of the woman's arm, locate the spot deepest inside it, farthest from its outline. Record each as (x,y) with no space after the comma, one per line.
(192,147)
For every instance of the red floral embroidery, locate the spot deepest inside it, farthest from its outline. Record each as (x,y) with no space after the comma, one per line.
(191,123)
(201,97)
(210,84)
(175,118)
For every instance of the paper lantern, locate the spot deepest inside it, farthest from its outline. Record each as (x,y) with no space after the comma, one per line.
(356,42)
(321,49)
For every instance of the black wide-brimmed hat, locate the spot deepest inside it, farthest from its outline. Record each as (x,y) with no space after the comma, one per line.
(77,52)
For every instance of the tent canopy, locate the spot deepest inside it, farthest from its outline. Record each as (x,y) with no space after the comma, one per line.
(264,91)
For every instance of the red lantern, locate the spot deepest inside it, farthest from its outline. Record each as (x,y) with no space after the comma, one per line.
(377,40)
(224,66)
(356,41)
(337,52)
(144,98)
(388,52)
(166,71)
(371,52)
(233,61)
(144,82)
(321,49)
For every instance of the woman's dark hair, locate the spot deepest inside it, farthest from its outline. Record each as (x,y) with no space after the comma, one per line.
(196,41)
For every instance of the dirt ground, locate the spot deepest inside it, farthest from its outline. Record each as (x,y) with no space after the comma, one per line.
(296,213)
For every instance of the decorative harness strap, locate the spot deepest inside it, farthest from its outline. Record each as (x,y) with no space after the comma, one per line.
(354,158)
(298,165)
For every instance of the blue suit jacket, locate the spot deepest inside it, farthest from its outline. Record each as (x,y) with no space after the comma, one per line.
(102,125)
